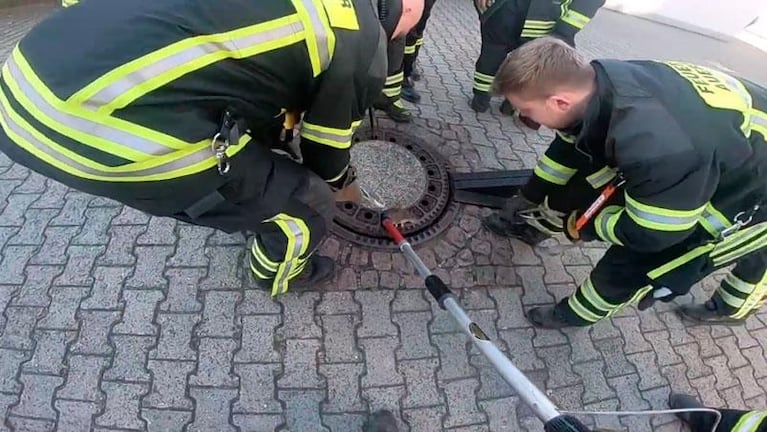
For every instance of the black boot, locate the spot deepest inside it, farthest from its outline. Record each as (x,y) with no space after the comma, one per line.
(707,313)
(409,93)
(696,420)
(317,270)
(480,102)
(381,421)
(503,227)
(395,111)
(506,108)
(546,317)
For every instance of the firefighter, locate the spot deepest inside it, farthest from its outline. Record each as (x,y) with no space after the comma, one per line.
(685,147)
(173,107)
(413,44)
(507,24)
(731,420)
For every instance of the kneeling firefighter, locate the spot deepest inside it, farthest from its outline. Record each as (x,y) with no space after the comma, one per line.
(173,108)
(685,147)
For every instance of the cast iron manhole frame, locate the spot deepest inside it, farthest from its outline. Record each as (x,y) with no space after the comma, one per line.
(435,209)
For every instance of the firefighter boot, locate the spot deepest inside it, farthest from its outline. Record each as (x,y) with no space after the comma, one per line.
(395,111)
(481,102)
(317,270)
(501,226)
(409,93)
(506,108)
(546,317)
(708,313)
(680,401)
(381,421)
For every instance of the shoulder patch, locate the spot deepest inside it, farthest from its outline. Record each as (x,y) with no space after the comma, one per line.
(341,14)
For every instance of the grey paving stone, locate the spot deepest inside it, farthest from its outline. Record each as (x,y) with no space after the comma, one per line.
(34,291)
(73,212)
(560,370)
(691,355)
(107,288)
(160,231)
(414,335)
(708,346)
(634,341)
(10,361)
(129,363)
(95,230)
(380,360)
(649,372)
(175,337)
(214,365)
(53,250)
(19,324)
(662,347)
(182,290)
(21,424)
(12,265)
(385,398)
(453,356)
(256,302)
(302,409)
(212,410)
(218,314)
(510,310)
(150,266)
(191,244)
(122,241)
(16,208)
(423,419)
(420,383)
(94,330)
(756,359)
(300,360)
(165,420)
(75,416)
(169,378)
(257,339)
(64,304)
(340,345)
(343,388)
(461,402)
(83,377)
(224,268)
(724,377)
(37,396)
(31,232)
(298,320)
(80,260)
(48,357)
(748,382)
(492,384)
(122,405)
(257,389)
(258,422)
(140,307)
(344,422)
(376,313)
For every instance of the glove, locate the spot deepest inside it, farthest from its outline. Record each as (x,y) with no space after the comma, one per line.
(514,205)
(586,234)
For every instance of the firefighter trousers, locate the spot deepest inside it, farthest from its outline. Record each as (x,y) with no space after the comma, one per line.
(414,40)
(395,53)
(732,421)
(287,207)
(623,276)
(500,30)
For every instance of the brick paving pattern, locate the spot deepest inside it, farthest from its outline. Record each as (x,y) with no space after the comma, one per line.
(116,321)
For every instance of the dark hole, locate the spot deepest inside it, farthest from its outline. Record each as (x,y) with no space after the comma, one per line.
(432,188)
(368,215)
(423,158)
(424,202)
(348,206)
(430,172)
(392,139)
(409,147)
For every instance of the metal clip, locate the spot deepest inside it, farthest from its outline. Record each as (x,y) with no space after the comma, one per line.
(739,222)
(219,147)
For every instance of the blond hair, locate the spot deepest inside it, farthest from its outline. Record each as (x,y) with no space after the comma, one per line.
(539,67)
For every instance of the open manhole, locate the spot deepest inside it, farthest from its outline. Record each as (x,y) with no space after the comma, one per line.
(403,171)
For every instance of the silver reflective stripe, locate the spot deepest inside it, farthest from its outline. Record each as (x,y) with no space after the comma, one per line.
(194,53)
(667,220)
(280,284)
(564,178)
(320,33)
(759,119)
(98,130)
(601,177)
(193,158)
(343,140)
(576,19)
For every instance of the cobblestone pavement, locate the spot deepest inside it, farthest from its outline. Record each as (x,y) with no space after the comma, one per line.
(115,321)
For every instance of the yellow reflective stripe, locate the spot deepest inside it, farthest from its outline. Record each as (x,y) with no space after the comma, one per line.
(740,244)
(661,219)
(539,25)
(298,269)
(419,41)
(479,76)
(196,158)
(482,87)
(575,19)
(750,421)
(739,284)
(258,273)
(410,49)
(679,261)
(336,138)
(565,137)
(532,34)
(731,300)
(759,122)
(581,310)
(596,300)
(714,221)
(297,234)
(601,177)
(79,124)
(68,3)
(754,300)
(554,172)
(605,224)
(637,296)
(392,92)
(262,259)
(395,79)
(123,85)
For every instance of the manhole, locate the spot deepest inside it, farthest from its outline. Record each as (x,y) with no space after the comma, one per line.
(432,208)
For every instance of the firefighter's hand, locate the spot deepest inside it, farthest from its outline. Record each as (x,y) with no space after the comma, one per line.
(351,193)
(571,230)
(483,5)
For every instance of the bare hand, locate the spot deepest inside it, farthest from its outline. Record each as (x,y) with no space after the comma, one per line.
(483,5)
(350,193)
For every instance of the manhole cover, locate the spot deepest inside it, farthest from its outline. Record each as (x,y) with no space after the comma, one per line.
(403,171)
